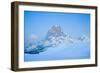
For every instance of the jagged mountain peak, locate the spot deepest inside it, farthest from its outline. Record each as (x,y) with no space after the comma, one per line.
(55,29)
(55,35)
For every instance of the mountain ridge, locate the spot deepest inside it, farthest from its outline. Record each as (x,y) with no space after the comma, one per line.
(54,37)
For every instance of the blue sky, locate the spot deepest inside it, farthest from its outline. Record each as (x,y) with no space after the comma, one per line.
(38,23)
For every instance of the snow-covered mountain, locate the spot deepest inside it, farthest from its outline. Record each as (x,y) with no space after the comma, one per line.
(55,36)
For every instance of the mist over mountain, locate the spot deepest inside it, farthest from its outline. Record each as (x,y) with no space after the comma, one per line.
(55,36)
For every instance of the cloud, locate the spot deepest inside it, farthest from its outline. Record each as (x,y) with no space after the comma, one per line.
(34,37)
